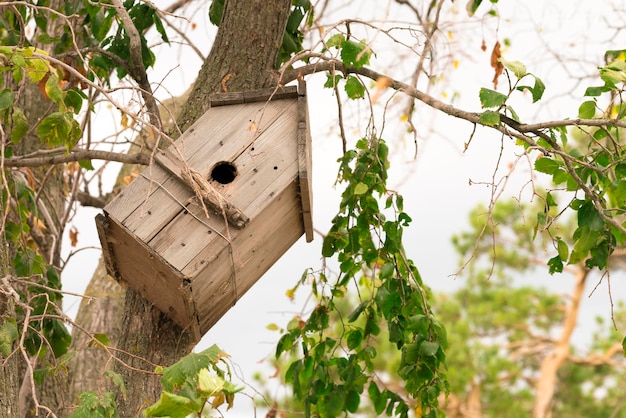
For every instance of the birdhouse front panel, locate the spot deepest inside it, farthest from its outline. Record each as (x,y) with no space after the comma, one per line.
(194,255)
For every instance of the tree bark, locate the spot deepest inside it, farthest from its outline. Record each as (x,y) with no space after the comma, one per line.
(9,367)
(550,365)
(49,187)
(242,58)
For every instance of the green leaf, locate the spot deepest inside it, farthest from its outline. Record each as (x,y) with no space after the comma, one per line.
(54,129)
(596,91)
(555,265)
(612,77)
(175,375)
(352,401)
(37,69)
(587,110)
(8,334)
(562,249)
(335,41)
(117,380)
(355,54)
(333,403)
(472,6)
(58,337)
(428,348)
(536,90)
(354,338)
(93,405)
(158,24)
(516,67)
(354,88)
(360,188)
(332,80)
(294,20)
(6,99)
(491,98)
(100,338)
(490,118)
(589,216)
(358,311)
(20,125)
(173,406)
(387,270)
(53,90)
(547,165)
(585,240)
(379,401)
(86,164)
(74,100)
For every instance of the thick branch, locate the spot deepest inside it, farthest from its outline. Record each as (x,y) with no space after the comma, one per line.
(520,129)
(77,155)
(550,365)
(473,117)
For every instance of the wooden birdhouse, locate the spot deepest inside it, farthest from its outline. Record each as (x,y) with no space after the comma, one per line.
(215,210)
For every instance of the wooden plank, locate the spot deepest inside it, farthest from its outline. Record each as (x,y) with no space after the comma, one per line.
(185,237)
(166,201)
(252,96)
(237,133)
(266,166)
(304,164)
(277,229)
(138,267)
(135,193)
(187,234)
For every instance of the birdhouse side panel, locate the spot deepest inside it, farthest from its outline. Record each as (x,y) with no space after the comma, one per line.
(137,266)
(220,284)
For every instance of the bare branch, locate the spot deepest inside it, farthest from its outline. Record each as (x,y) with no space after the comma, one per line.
(78,155)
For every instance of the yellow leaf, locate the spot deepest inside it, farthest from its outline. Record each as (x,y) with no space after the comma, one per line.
(124,120)
(272,327)
(38,224)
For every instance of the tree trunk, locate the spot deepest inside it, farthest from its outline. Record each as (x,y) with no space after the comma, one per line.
(9,370)
(550,365)
(243,57)
(49,187)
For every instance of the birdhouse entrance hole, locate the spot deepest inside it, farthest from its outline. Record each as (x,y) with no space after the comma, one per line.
(224,172)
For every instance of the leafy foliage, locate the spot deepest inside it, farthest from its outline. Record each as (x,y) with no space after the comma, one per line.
(193,382)
(501,328)
(335,366)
